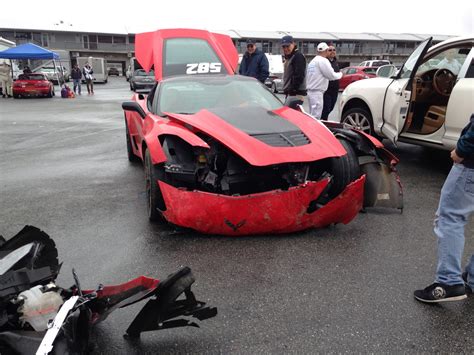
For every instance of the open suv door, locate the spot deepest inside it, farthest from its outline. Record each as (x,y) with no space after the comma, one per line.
(398,93)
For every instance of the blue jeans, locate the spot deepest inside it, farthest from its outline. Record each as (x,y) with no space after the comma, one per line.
(455,206)
(77,84)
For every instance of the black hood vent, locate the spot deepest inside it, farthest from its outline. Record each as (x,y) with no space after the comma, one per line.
(285,139)
(264,125)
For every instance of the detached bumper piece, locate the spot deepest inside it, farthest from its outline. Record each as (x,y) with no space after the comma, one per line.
(161,311)
(37,316)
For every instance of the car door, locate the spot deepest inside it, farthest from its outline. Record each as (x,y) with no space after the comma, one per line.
(398,93)
(137,123)
(461,103)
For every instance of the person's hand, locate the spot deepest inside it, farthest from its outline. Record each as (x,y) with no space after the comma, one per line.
(456,158)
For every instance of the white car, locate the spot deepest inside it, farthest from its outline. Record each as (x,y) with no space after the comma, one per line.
(427,102)
(374,63)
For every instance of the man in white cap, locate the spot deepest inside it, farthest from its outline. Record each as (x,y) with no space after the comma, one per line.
(318,74)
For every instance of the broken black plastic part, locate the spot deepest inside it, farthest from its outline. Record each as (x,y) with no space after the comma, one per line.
(158,313)
(14,282)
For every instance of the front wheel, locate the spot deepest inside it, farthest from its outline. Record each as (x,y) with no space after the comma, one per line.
(155,201)
(358,118)
(344,169)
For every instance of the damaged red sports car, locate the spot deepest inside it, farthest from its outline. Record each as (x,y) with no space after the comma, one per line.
(223,155)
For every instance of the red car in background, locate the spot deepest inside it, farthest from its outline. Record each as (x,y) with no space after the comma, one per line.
(351,74)
(34,84)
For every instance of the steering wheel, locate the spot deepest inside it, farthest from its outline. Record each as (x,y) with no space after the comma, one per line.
(443,81)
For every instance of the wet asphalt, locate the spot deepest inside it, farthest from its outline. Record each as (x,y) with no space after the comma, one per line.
(348,288)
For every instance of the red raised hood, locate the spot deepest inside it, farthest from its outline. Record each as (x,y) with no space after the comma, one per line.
(257,153)
(149,48)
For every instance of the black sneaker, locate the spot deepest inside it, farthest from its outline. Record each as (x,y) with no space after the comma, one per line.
(437,292)
(468,288)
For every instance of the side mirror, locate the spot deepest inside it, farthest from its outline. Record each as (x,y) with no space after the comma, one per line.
(293,102)
(386,71)
(135,107)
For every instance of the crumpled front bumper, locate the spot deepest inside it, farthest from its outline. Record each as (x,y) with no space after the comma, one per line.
(268,212)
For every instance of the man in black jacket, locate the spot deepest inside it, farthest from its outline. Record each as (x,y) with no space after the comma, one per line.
(330,95)
(456,204)
(294,76)
(76,76)
(254,63)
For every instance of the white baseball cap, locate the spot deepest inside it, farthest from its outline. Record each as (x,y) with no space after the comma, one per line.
(322,47)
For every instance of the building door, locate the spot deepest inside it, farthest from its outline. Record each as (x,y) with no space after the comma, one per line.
(85,42)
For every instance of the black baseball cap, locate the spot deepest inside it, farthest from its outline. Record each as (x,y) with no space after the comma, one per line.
(286,40)
(250,41)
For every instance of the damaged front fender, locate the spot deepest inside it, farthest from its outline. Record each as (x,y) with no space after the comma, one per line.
(382,187)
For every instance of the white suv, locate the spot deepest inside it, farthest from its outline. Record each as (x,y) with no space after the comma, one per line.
(427,102)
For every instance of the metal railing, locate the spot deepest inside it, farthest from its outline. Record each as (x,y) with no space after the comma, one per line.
(78,46)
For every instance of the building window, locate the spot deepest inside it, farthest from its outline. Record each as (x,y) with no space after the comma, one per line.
(131,39)
(10,35)
(104,39)
(119,39)
(22,36)
(45,39)
(36,38)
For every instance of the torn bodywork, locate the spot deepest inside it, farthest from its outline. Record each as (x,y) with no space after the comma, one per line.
(241,198)
(36,315)
(382,187)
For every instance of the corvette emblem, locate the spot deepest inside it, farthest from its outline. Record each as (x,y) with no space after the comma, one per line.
(234,227)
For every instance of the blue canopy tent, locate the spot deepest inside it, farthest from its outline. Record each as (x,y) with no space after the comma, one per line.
(30,51)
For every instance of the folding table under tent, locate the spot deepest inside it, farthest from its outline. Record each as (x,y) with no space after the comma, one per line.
(30,51)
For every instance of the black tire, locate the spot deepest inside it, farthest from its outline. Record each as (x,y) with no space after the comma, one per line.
(344,169)
(50,94)
(131,156)
(16,96)
(155,201)
(359,118)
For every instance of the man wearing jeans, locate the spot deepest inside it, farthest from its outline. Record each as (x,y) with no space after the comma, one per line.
(76,76)
(456,204)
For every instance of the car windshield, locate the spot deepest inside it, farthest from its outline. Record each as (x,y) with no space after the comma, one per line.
(191,96)
(141,72)
(451,59)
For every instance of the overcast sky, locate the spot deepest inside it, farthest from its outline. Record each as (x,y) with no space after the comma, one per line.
(453,17)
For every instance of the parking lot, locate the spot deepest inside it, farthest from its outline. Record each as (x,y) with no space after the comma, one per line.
(346,288)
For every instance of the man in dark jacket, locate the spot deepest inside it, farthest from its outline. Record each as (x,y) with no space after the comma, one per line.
(294,76)
(330,96)
(254,63)
(456,204)
(76,76)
